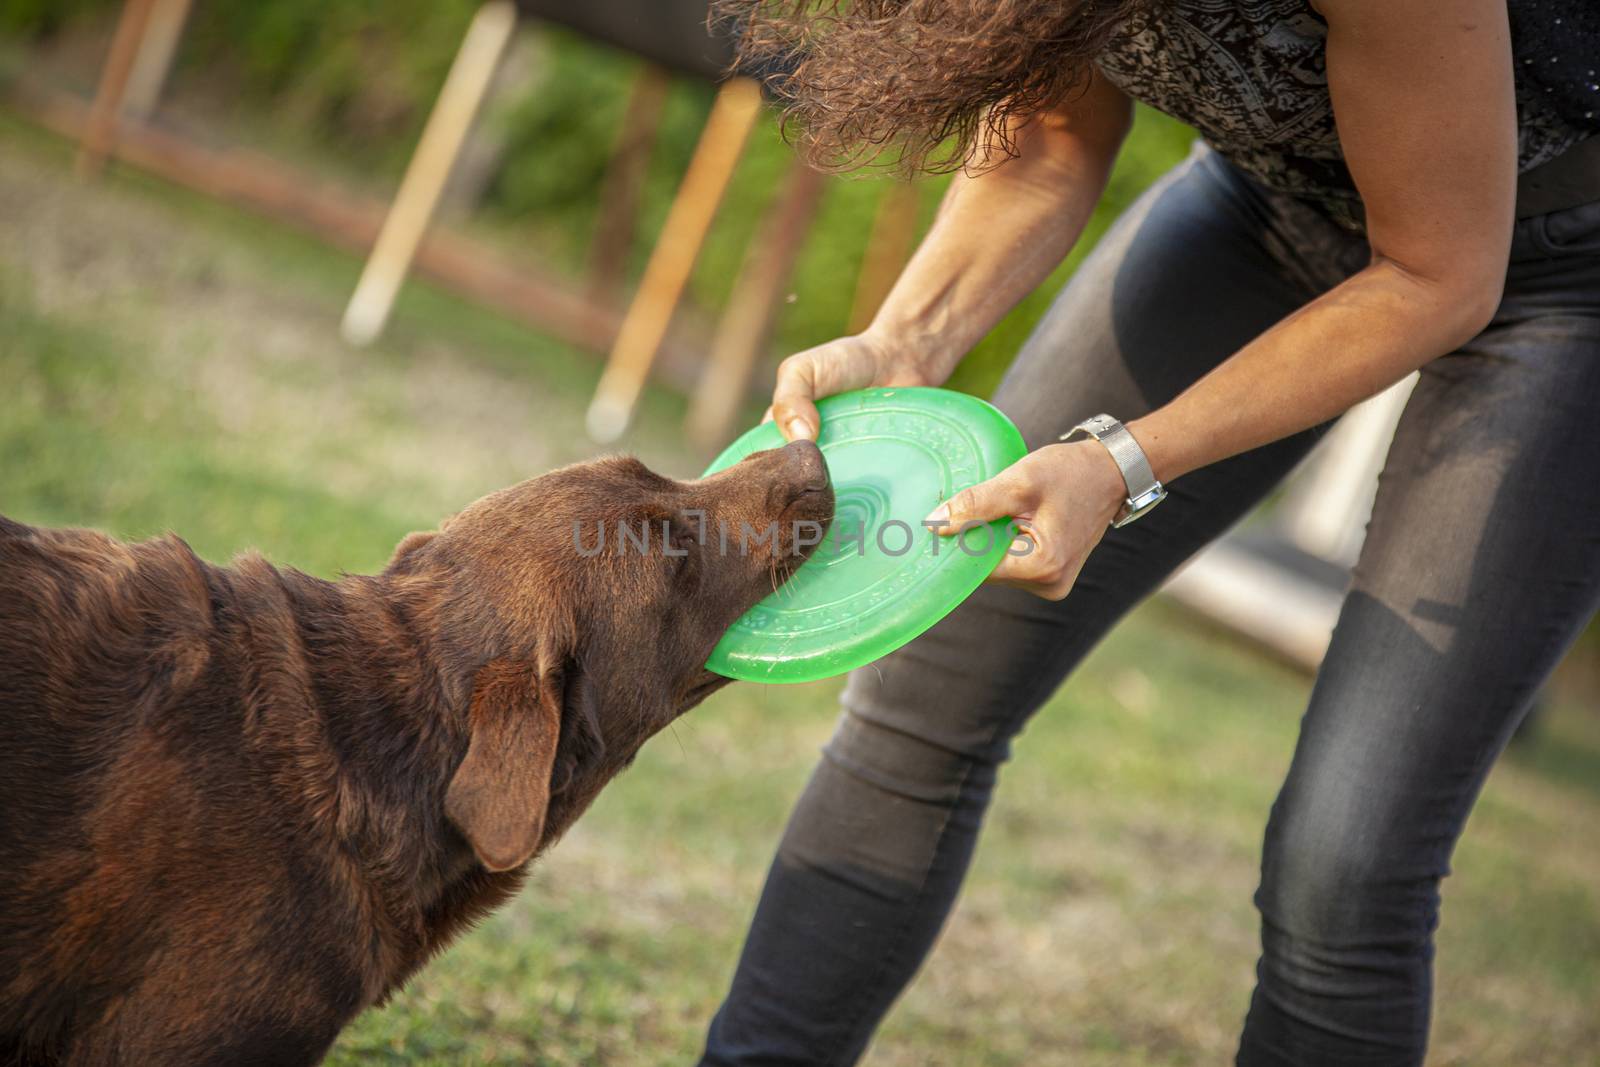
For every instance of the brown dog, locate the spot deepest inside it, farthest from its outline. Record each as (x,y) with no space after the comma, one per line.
(240,805)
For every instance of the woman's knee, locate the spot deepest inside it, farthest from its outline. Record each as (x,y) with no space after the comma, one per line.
(1346,953)
(908,764)
(958,693)
(1339,881)
(882,803)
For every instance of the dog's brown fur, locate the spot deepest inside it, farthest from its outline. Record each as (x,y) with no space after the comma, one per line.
(239,805)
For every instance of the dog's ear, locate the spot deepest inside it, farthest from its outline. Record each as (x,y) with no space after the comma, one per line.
(501,790)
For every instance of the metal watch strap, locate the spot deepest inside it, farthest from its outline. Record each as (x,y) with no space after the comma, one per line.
(1144,491)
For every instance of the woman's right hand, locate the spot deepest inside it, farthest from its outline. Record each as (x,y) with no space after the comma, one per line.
(847,363)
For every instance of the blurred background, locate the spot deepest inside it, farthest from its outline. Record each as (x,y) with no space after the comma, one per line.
(192,194)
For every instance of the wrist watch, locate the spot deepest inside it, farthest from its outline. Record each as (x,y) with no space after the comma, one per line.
(1144,492)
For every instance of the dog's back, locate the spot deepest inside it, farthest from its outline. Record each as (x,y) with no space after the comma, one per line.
(92,634)
(120,774)
(95,635)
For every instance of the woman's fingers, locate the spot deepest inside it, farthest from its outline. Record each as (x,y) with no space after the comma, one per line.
(1005,495)
(1060,498)
(806,377)
(794,406)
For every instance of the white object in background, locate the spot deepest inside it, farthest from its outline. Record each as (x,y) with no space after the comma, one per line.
(1326,506)
(1323,514)
(1270,604)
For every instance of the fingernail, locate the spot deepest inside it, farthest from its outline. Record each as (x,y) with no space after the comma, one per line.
(939,514)
(799,428)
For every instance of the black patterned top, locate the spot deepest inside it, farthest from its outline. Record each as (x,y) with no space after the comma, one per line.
(1251,76)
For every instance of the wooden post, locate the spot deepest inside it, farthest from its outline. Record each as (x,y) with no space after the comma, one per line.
(100,134)
(753,308)
(894,231)
(624,179)
(464,90)
(733,113)
(163,31)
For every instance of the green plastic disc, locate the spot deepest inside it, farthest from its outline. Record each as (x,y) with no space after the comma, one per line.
(879,577)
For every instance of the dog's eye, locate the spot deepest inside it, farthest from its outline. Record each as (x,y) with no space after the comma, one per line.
(684,541)
(683,544)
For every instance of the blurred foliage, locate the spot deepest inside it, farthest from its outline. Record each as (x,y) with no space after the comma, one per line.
(350,82)
(39,18)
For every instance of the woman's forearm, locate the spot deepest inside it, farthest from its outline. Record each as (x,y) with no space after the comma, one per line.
(1000,233)
(1351,343)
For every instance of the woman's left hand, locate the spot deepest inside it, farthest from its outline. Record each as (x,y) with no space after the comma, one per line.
(1062,498)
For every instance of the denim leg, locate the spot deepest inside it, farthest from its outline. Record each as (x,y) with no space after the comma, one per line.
(876,849)
(1482,564)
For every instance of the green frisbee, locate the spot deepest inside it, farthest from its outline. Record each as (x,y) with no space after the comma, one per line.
(879,577)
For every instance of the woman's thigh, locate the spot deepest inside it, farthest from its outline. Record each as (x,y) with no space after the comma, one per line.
(1481,565)
(1196,269)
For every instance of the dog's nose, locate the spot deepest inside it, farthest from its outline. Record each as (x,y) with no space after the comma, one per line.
(803,462)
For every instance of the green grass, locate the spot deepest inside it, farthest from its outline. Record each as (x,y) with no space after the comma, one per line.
(167,363)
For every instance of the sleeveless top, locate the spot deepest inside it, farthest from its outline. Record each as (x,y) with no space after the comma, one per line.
(1251,76)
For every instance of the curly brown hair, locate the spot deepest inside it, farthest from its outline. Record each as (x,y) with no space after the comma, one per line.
(918,85)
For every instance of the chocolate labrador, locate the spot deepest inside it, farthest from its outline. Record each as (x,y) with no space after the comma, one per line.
(239,805)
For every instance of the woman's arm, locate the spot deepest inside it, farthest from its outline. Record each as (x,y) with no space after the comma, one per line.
(996,237)
(1426,112)
(1427,116)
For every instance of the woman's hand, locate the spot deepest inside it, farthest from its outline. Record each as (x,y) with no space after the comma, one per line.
(1062,498)
(848,363)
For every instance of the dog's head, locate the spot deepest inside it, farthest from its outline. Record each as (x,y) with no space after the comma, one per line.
(579,608)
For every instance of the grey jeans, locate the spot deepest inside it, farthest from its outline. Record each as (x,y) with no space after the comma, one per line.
(1482,563)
